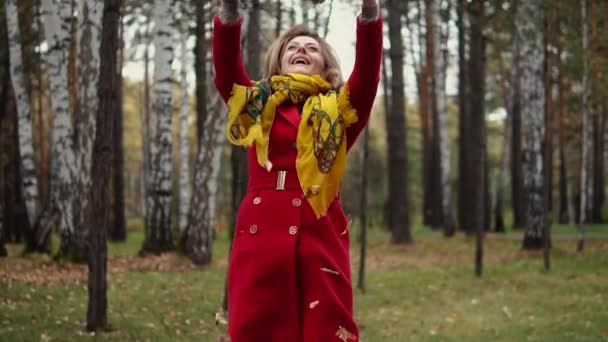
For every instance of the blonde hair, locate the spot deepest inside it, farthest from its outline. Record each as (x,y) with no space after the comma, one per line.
(331,72)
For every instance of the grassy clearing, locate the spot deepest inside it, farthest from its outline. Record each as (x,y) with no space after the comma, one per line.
(423,292)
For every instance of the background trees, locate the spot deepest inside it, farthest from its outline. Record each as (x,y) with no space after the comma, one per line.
(487,104)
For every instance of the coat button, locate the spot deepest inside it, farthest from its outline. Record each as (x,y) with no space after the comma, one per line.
(253,229)
(296,202)
(257,200)
(293,230)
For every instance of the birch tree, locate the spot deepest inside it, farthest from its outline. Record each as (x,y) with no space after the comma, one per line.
(29,185)
(88,38)
(529,24)
(197,237)
(158,198)
(586,188)
(63,159)
(184,148)
(441,62)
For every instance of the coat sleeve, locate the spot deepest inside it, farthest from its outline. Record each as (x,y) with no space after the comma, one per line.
(363,82)
(227,61)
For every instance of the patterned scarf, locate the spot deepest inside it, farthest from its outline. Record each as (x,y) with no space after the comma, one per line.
(321,139)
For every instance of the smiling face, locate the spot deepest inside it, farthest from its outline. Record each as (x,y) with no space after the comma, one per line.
(302,54)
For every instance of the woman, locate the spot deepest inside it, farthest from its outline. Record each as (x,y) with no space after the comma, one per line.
(289,276)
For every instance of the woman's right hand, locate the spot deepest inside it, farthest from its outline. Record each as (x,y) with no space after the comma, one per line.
(229,11)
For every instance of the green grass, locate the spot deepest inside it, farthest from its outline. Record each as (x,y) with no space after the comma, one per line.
(423,292)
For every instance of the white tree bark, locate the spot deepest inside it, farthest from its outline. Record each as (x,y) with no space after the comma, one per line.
(29,181)
(184,147)
(586,188)
(199,232)
(441,61)
(88,37)
(530,35)
(158,211)
(63,160)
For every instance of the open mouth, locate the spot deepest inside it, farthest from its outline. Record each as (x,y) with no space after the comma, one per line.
(300,61)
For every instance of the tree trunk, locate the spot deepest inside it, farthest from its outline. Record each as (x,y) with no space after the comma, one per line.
(517,195)
(529,23)
(158,203)
(398,206)
(99,206)
(184,144)
(586,188)
(88,40)
(200,67)
(564,213)
(363,211)
(197,237)
(463,123)
(146,121)
(63,160)
(29,186)
(501,181)
(441,58)
(476,145)
(598,166)
(305,9)
(118,228)
(548,111)
(433,169)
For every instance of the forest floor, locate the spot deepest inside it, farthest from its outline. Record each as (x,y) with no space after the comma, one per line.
(426,291)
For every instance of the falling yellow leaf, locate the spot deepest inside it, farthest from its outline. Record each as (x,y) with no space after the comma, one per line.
(220,317)
(345,335)
(506,311)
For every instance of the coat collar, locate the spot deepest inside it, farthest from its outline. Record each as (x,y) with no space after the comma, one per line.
(291,114)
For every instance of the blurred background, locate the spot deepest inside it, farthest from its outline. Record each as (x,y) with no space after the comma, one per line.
(489,129)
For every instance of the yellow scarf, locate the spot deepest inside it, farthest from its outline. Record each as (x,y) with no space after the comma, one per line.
(321,139)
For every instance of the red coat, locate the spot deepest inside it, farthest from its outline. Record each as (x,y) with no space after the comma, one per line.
(289,274)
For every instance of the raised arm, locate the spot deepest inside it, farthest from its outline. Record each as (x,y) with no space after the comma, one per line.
(227,59)
(363,82)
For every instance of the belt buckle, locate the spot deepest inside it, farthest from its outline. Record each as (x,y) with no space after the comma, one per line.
(281,180)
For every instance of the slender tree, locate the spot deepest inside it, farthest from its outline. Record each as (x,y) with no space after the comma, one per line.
(363,210)
(432,170)
(158,203)
(99,207)
(88,39)
(200,66)
(476,144)
(463,122)
(197,236)
(529,23)
(441,23)
(517,180)
(184,144)
(29,186)
(566,210)
(510,100)
(118,228)
(63,160)
(397,206)
(586,188)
